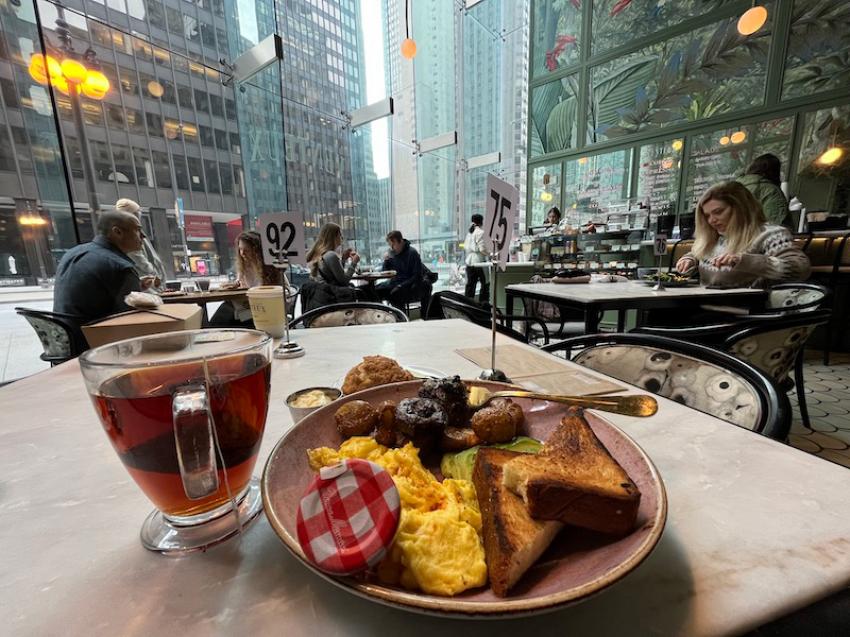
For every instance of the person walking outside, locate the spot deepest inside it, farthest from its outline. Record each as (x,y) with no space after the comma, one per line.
(476,252)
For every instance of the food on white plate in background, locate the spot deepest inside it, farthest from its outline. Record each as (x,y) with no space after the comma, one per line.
(374,371)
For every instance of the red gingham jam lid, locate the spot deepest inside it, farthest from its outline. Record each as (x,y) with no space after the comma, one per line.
(348,516)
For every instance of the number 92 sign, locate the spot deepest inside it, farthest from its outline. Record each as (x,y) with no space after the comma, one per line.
(502,207)
(282,234)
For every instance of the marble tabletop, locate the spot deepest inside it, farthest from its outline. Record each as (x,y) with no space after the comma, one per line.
(756,529)
(597,291)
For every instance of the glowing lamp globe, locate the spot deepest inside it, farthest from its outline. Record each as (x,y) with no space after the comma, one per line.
(96,85)
(37,70)
(752,20)
(155,88)
(546,196)
(724,141)
(677,144)
(61,85)
(831,156)
(408,48)
(74,71)
(738,136)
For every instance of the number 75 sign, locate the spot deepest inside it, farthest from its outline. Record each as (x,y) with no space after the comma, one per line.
(282,231)
(502,206)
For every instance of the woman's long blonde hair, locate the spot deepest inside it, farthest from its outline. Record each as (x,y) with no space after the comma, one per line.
(251,267)
(744,225)
(327,240)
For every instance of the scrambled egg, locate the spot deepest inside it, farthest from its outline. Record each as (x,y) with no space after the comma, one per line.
(438,547)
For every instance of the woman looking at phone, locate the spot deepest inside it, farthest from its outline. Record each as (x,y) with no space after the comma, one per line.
(734,246)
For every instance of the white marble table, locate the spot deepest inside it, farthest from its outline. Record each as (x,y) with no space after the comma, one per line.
(756,529)
(595,297)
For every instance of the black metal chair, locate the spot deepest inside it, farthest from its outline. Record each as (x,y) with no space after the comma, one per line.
(698,376)
(60,334)
(776,346)
(560,322)
(448,304)
(352,313)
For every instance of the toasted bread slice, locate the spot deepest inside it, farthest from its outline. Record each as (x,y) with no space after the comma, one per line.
(575,480)
(512,539)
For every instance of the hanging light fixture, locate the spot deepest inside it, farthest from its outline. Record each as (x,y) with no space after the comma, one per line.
(408,46)
(546,196)
(752,20)
(830,156)
(724,141)
(677,144)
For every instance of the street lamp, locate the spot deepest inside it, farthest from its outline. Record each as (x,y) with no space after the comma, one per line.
(70,76)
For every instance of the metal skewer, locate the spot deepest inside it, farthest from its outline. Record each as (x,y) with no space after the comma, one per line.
(493,373)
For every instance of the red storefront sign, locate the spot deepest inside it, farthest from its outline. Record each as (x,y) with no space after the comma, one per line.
(199,228)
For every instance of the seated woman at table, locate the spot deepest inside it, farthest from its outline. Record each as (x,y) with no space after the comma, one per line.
(734,246)
(250,272)
(331,270)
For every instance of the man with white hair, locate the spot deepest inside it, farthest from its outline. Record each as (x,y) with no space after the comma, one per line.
(149,266)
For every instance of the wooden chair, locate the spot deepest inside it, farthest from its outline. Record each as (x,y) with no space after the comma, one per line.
(701,377)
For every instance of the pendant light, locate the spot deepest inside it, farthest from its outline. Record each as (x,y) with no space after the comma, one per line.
(832,154)
(752,20)
(408,46)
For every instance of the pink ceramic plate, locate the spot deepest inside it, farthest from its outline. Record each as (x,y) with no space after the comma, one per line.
(578,564)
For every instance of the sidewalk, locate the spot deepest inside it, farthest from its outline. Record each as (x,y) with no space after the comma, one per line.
(28,294)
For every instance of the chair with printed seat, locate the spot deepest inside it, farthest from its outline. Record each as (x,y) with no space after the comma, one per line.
(698,376)
(351,313)
(60,334)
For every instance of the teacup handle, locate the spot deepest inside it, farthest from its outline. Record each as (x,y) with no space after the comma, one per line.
(194,441)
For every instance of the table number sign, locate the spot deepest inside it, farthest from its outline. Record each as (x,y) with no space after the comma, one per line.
(660,246)
(282,231)
(502,206)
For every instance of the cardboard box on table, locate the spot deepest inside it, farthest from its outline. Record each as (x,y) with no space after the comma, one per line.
(165,318)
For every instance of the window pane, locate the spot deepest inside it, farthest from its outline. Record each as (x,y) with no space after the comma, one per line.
(206,136)
(818,56)
(123,165)
(101,160)
(196,174)
(181,174)
(726,153)
(616,22)
(659,175)
(211,172)
(825,186)
(221,139)
(545,192)
(695,76)
(7,157)
(556,35)
(162,169)
(554,116)
(144,167)
(594,184)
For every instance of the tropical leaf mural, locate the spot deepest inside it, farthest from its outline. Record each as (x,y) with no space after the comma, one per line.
(556,35)
(711,71)
(818,57)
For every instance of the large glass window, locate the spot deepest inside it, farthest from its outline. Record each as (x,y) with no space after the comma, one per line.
(823,175)
(711,71)
(659,174)
(725,153)
(818,56)
(545,192)
(556,35)
(593,185)
(554,116)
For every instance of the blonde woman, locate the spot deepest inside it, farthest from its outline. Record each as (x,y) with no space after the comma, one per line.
(326,258)
(734,245)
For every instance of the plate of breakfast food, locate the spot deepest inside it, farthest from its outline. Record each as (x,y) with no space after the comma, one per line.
(433,496)
(670,279)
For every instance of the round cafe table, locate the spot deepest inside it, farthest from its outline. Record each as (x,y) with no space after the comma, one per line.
(369,279)
(202,298)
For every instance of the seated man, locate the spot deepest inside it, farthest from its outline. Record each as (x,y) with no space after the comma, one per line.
(147,260)
(93,278)
(406,285)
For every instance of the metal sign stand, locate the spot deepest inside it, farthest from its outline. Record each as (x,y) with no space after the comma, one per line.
(659,284)
(493,373)
(287,348)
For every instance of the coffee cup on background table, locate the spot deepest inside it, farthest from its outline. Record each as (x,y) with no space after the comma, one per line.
(266,303)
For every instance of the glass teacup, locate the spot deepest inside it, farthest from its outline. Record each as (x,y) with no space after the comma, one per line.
(186,411)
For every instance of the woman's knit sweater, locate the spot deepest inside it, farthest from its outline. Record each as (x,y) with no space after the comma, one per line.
(772,257)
